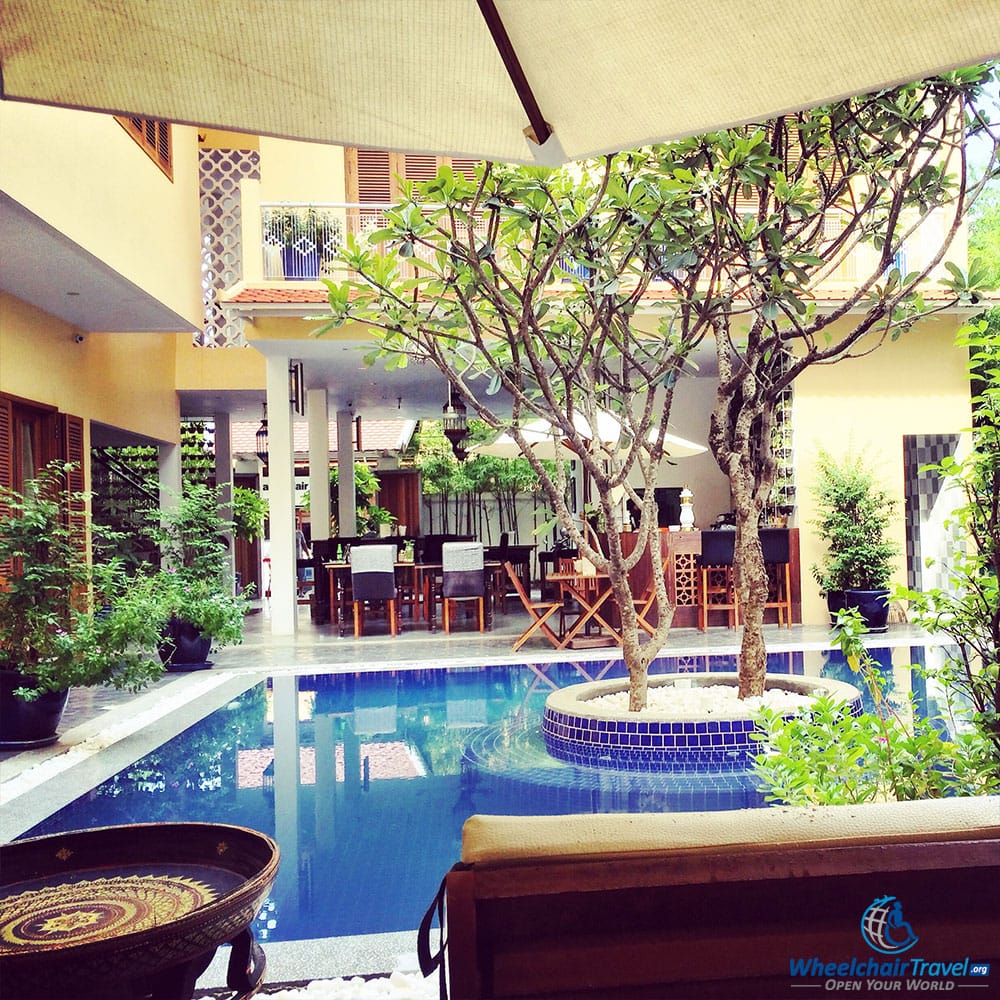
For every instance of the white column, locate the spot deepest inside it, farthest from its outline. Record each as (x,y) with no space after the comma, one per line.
(169,471)
(224,481)
(281,499)
(346,507)
(318,411)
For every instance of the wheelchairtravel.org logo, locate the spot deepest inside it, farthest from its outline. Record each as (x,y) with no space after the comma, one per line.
(894,967)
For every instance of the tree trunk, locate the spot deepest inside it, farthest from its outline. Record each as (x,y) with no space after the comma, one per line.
(636,655)
(752,587)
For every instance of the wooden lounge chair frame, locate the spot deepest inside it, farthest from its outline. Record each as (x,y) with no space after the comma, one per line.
(710,905)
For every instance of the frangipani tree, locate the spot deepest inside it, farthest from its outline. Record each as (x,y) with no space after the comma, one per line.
(529,282)
(522,286)
(845,192)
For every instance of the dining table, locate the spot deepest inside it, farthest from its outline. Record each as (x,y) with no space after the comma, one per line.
(591,591)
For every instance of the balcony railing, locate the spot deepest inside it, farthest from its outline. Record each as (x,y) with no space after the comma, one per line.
(300,240)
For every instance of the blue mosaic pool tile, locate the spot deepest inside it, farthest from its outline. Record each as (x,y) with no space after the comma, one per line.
(655,745)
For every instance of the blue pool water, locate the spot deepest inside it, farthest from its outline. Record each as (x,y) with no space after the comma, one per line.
(366,779)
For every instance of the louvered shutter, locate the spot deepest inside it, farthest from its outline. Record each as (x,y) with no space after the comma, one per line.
(464,166)
(6,443)
(418,167)
(375,182)
(76,482)
(154,138)
(72,436)
(6,465)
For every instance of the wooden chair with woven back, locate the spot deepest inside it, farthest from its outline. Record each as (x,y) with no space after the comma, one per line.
(373,581)
(462,579)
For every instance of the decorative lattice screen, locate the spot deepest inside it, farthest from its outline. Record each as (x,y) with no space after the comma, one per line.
(220,173)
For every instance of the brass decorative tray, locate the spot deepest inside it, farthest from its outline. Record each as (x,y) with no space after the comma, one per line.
(131,911)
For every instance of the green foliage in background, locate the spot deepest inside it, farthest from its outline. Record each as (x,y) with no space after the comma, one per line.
(967,608)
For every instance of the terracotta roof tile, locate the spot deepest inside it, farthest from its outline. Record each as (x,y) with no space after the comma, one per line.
(276,296)
(271,295)
(376,435)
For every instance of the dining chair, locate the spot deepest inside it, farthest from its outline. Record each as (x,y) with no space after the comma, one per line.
(775,547)
(538,611)
(462,579)
(373,581)
(717,587)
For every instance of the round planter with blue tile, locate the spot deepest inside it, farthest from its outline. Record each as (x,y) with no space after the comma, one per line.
(578,730)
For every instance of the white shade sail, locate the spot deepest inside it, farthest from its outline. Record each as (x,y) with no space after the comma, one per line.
(467,78)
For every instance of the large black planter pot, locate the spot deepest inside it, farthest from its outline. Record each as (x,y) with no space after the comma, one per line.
(835,603)
(25,725)
(873,606)
(184,647)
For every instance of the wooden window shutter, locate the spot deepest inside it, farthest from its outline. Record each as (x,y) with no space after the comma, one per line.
(418,167)
(72,437)
(76,482)
(6,443)
(464,166)
(374,177)
(6,466)
(153,136)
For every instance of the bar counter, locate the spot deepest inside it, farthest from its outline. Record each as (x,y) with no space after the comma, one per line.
(682,552)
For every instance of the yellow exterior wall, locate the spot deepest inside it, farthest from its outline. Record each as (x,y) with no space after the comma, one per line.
(300,171)
(917,385)
(125,380)
(217,368)
(85,176)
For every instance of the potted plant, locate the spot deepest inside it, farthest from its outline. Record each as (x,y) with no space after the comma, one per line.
(380,521)
(195,586)
(63,621)
(854,516)
(307,237)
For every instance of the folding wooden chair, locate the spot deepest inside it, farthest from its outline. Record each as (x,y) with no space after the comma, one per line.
(539,612)
(645,603)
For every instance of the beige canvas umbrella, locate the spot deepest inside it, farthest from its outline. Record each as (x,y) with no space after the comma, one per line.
(546,441)
(509,80)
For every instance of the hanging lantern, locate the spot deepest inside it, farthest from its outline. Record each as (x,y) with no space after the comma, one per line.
(455,424)
(261,437)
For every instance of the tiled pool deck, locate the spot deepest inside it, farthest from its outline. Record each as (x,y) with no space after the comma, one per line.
(103,731)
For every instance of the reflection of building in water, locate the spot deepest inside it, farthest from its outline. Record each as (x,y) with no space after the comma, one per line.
(466,696)
(375,704)
(394,759)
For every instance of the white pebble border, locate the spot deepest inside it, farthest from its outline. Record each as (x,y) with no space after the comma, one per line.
(716,701)
(399,986)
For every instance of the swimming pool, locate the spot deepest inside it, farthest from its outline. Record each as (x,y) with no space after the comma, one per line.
(365,779)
